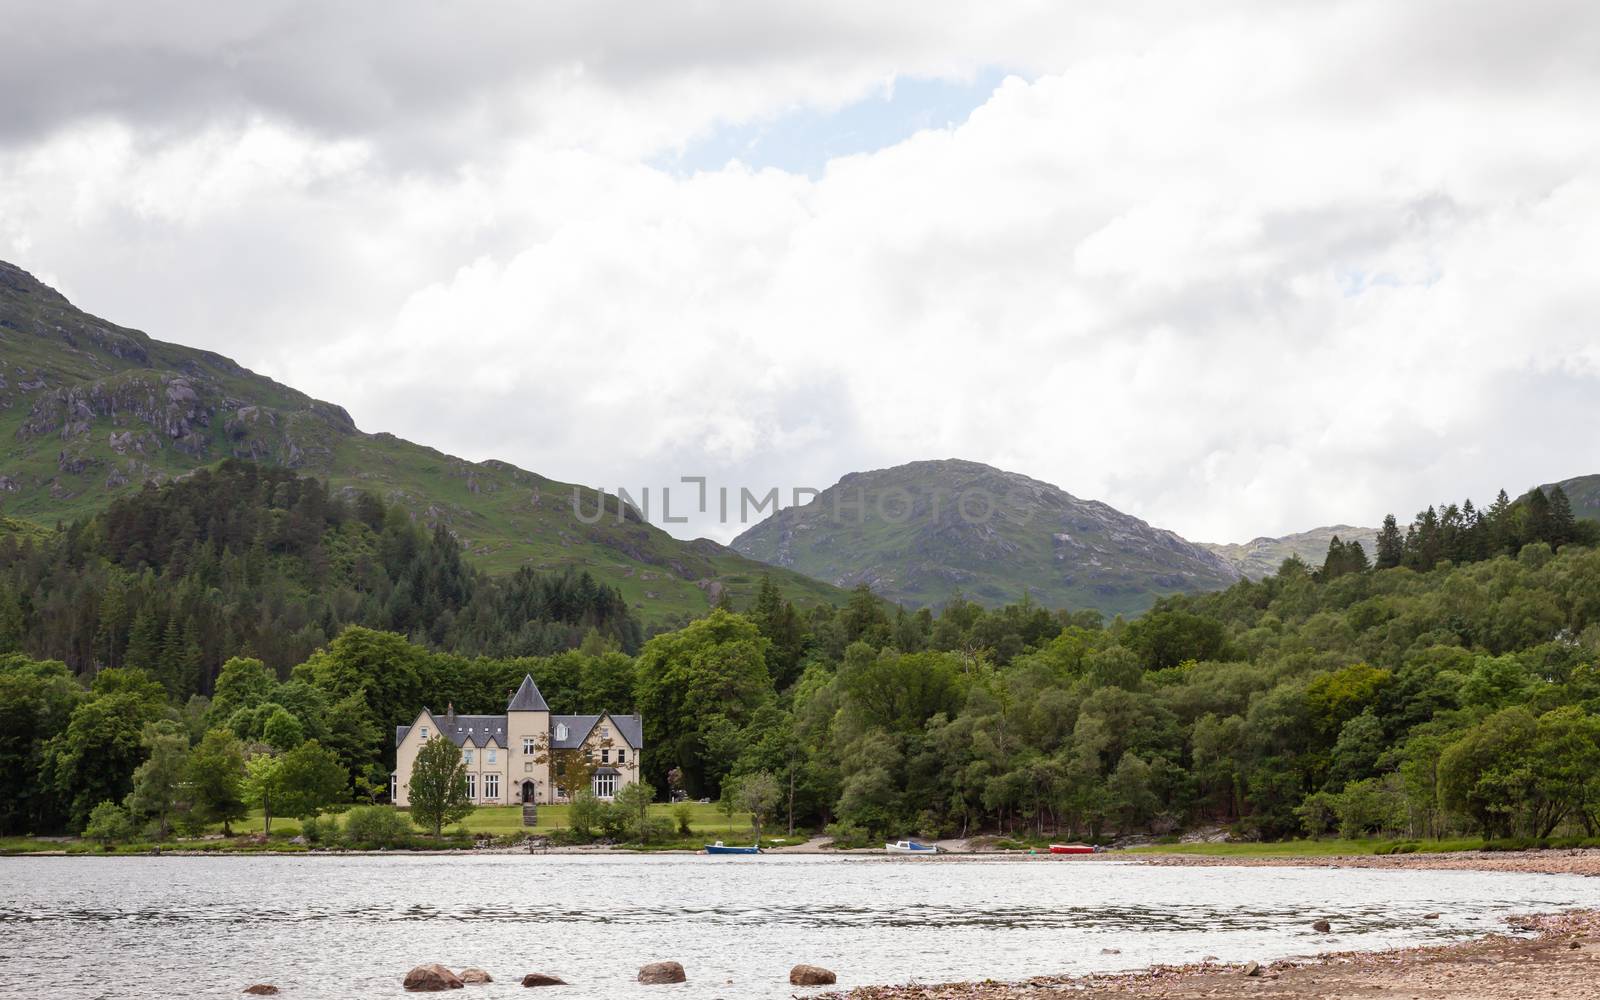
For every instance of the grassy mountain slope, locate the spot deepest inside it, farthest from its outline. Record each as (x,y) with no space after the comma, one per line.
(90,410)
(1584,492)
(1261,557)
(1039,541)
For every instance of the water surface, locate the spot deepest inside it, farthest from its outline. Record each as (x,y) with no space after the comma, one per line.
(325,927)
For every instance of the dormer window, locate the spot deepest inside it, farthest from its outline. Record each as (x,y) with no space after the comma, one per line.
(561,732)
(467,756)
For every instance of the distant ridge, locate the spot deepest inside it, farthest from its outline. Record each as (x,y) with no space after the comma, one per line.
(1261,557)
(1040,542)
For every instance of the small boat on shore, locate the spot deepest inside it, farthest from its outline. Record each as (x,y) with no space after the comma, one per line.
(1071,849)
(910,847)
(720,848)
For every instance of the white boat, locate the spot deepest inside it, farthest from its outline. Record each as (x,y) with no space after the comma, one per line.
(910,847)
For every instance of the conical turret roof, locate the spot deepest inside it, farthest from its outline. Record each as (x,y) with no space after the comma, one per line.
(527,698)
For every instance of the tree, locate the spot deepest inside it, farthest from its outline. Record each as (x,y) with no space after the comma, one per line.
(215,777)
(1391,547)
(300,782)
(282,731)
(108,823)
(708,677)
(438,788)
(758,794)
(634,798)
(158,782)
(93,759)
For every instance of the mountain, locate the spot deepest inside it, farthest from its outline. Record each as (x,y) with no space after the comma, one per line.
(1261,557)
(90,411)
(1584,492)
(916,533)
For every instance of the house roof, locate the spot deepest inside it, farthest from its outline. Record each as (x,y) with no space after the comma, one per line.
(527,698)
(579,727)
(478,730)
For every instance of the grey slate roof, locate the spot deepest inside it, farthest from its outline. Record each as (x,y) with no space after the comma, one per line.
(578,727)
(477,730)
(527,698)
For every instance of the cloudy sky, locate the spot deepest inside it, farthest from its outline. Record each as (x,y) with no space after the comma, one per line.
(1238,268)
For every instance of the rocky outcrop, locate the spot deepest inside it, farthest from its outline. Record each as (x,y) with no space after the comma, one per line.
(542,979)
(262,990)
(811,975)
(432,978)
(1321,926)
(659,973)
(475,977)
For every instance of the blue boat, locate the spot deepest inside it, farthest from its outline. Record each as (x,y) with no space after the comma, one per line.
(720,848)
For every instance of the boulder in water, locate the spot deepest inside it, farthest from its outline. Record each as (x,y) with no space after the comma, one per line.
(811,975)
(657,973)
(433,978)
(542,979)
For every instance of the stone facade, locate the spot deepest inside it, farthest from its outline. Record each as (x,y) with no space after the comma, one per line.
(513,758)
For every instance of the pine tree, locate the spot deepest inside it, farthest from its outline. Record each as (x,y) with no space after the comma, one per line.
(144,641)
(1563,525)
(1391,547)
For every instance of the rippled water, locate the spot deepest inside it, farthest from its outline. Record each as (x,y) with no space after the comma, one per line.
(351,926)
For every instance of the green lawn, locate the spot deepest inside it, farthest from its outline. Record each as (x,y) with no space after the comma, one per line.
(502,820)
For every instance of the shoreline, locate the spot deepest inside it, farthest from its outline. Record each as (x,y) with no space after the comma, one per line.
(1547,955)
(1578,862)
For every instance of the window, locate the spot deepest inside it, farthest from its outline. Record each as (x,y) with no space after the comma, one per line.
(423,734)
(605,785)
(605,756)
(605,732)
(394,787)
(467,756)
(472,786)
(527,745)
(622,756)
(491,755)
(491,787)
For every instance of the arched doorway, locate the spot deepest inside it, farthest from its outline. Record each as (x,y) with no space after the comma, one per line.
(529,793)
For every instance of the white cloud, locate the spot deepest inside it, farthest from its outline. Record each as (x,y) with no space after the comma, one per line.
(1238,275)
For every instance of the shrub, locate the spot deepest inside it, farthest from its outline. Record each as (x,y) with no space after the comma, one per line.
(614,821)
(367,827)
(683,815)
(315,830)
(585,815)
(108,823)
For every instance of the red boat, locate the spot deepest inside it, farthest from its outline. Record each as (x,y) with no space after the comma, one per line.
(1071,849)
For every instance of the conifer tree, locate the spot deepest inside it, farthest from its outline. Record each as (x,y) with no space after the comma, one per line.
(1391,547)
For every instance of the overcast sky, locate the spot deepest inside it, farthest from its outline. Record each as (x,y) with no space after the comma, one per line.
(1238,268)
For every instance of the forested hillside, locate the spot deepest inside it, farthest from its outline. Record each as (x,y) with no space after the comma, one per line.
(254,561)
(91,411)
(1430,697)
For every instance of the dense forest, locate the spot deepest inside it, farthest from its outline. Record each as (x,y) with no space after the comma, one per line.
(254,561)
(1450,685)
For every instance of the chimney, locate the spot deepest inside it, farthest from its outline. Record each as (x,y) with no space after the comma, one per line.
(450,711)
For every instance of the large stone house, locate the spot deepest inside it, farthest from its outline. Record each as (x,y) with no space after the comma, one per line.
(520,757)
